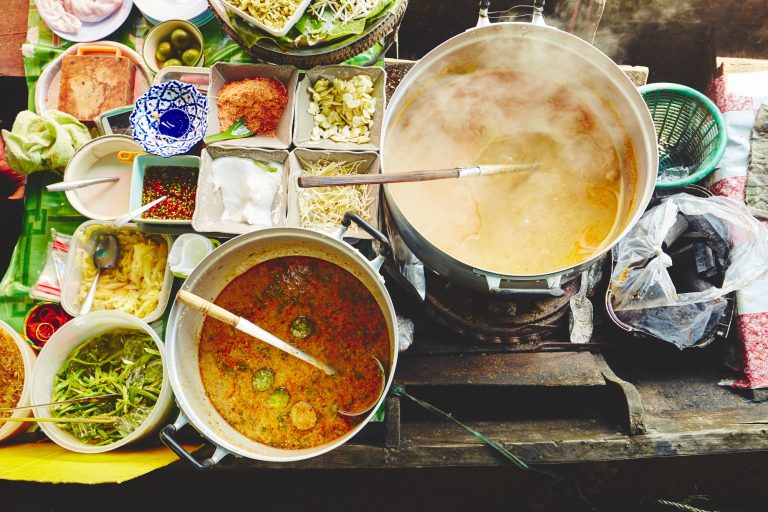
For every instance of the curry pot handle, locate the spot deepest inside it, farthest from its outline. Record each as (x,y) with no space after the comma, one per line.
(551,286)
(166,436)
(386,248)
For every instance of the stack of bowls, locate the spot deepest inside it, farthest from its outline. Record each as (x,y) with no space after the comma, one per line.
(193,11)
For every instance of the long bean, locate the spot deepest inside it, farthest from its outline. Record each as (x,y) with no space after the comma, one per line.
(122,362)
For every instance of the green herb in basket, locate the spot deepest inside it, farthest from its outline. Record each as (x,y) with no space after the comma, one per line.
(123,362)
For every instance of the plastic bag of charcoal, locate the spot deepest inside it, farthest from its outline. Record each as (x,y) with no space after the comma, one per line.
(676,270)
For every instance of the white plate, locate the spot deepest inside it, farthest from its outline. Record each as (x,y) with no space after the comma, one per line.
(47,92)
(164,10)
(94,31)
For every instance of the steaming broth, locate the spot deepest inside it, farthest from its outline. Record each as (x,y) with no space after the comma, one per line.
(531,222)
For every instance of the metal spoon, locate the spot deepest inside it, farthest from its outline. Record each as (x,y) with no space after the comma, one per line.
(358,409)
(63,186)
(128,217)
(105,256)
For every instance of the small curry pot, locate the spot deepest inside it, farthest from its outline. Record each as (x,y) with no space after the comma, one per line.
(208,279)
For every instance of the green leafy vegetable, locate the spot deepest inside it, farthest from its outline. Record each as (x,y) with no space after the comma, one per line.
(123,362)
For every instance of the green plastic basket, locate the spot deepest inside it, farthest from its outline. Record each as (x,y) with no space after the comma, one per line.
(690,131)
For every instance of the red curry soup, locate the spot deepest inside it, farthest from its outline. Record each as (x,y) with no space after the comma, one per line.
(275,398)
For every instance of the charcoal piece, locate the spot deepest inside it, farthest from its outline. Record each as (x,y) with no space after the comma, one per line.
(684,275)
(695,235)
(705,261)
(678,228)
(681,248)
(712,226)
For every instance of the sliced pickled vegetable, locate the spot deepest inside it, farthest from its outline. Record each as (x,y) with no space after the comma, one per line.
(263,379)
(279,399)
(303,416)
(303,327)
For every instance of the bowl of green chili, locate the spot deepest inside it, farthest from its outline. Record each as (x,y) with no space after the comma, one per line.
(107,368)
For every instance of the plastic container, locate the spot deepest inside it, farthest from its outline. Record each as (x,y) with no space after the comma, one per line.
(209,204)
(55,353)
(188,251)
(305,122)
(370,164)
(73,277)
(690,131)
(140,165)
(223,73)
(10,429)
(199,77)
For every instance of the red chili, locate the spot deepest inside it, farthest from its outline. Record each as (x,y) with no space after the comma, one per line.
(178,183)
(42,321)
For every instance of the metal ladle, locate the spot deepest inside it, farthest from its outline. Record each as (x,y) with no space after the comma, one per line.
(358,409)
(105,257)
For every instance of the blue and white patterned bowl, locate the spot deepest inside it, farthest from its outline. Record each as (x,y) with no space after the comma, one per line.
(170,118)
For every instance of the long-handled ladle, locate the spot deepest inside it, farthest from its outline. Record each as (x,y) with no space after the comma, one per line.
(403,177)
(241,324)
(360,405)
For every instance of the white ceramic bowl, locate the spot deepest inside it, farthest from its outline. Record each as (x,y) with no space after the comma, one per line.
(52,358)
(98,159)
(162,32)
(10,429)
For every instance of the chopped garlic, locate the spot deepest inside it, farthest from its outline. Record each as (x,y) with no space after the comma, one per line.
(342,111)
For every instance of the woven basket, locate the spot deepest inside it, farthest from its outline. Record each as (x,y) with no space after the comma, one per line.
(690,131)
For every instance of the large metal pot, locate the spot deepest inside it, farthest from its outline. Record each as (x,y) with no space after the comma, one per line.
(552,55)
(184,326)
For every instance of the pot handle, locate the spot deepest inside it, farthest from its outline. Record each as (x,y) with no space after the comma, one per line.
(551,286)
(386,248)
(166,436)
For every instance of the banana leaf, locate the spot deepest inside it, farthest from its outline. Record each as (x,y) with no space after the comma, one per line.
(311,30)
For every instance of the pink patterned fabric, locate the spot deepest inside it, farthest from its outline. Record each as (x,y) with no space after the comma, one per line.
(753,332)
(735,188)
(725,100)
(731,181)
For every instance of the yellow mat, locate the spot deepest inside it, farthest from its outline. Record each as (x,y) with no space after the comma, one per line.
(49,463)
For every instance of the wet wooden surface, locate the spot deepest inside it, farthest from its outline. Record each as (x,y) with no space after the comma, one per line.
(686,413)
